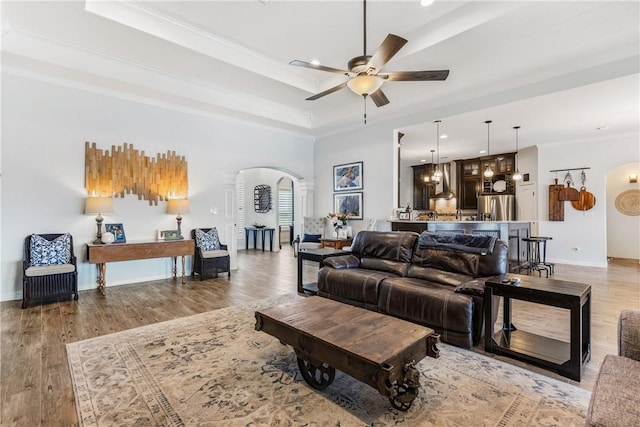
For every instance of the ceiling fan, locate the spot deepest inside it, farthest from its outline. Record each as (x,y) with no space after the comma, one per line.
(364,74)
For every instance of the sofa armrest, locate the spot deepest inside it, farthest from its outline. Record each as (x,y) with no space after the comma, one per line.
(472,287)
(629,334)
(342,262)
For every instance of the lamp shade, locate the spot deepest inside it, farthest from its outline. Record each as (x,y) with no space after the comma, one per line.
(98,205)
(365,84)
(178,206)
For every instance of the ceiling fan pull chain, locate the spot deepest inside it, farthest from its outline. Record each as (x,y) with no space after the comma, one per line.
(364,97)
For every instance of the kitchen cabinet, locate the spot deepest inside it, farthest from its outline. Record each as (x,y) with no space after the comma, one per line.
(422,191)
(472,182)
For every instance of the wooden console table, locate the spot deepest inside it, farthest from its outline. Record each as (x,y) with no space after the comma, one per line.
(102,254)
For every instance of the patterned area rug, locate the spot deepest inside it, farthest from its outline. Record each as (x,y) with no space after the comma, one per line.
(214,369)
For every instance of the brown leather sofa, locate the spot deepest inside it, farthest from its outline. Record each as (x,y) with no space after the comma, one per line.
(394,273)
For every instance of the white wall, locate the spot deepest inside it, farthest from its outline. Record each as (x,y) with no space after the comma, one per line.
(623,231)
(373,145)
(587,230)
(44,130)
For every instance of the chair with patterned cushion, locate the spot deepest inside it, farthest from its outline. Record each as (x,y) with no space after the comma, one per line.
(211,257)
(312,232)
(49,267)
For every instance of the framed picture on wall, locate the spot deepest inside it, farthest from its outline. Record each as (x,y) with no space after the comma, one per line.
(348,203)
(118,232)
(347,177)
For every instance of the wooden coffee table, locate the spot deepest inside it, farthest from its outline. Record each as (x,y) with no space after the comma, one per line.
(378,350)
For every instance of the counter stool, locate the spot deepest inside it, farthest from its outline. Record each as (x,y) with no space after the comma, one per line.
(543,243)
(534,260)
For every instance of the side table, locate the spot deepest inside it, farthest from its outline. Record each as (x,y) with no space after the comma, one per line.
(317,255)
(336,243)
(566,358)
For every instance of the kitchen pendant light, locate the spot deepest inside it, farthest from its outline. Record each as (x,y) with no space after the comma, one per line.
(516,176)
(438,173)
(430,179)
(488,172)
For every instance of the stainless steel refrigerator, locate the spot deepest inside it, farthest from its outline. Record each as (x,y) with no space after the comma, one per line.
(501,207)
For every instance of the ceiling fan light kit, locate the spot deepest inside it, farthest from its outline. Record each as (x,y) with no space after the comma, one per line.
(364,85)
(363,71)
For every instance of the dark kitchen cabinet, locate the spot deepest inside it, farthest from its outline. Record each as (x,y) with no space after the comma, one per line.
(422,191)
(472,182)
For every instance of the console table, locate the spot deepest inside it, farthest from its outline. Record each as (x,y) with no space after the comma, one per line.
(102,254)
(255,231)
(566,358)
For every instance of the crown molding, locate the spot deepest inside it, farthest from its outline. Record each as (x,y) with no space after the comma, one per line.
(56,61)
(151,22)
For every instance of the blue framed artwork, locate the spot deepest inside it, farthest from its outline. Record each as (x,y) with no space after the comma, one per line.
(347,177)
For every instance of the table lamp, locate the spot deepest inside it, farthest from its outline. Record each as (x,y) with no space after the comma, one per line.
(178,207)
(99,206)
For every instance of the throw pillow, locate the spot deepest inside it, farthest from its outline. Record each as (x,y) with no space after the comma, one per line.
(208,241)
(54,252)
(315,238)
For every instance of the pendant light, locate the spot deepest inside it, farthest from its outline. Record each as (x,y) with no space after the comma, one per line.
(428,179)
(516,176)
(488,172)
(438,173)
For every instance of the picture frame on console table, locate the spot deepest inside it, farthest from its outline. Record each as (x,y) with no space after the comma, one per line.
(348,203)
(171,234)
(347,177)
(118,232)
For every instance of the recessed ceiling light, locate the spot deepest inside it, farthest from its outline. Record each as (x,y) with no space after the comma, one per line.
(423,161)
(443,136)
(605,127)
(483,151)
(425,3)
(315,62)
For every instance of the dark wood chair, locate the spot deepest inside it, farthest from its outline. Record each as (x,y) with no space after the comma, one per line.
(209,263)
(40,282)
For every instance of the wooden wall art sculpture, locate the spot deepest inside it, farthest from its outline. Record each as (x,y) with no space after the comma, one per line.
(127,170)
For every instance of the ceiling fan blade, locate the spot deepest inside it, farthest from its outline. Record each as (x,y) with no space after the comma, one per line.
(408,76)
(379,98)
(327,92)
(389,47)
(318,67)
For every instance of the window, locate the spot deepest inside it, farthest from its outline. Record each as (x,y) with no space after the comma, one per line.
(240,205)
(285,206)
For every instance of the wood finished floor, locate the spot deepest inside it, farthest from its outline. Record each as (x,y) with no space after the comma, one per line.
(35,383)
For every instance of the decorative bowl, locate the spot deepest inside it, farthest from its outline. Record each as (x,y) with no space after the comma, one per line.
(259,225)
(108,237)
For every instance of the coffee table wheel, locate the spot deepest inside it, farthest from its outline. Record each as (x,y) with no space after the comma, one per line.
(404,398)
(404,394)
(317,376)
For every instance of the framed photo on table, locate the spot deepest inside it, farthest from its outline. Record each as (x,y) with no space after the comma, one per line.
(347,177)
(171,234)
(348,203)
(118,232)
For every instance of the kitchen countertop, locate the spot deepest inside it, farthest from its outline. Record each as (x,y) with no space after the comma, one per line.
(454,221)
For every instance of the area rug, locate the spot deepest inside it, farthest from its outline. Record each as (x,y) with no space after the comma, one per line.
(214,369)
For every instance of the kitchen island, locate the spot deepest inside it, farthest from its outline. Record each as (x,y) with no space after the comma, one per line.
(511,232)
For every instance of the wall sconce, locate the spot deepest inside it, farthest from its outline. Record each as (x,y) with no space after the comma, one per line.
(633,178)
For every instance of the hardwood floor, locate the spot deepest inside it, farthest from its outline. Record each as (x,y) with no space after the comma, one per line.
(35,383)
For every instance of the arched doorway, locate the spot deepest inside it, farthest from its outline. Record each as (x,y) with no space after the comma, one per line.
(621,226)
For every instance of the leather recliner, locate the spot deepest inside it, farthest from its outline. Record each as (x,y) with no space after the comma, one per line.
(391,273)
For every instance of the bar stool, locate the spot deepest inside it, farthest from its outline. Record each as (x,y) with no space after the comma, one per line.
(536,262)
(543,243)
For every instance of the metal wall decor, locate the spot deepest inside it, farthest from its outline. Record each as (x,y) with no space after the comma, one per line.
(262,198)
(126,170)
